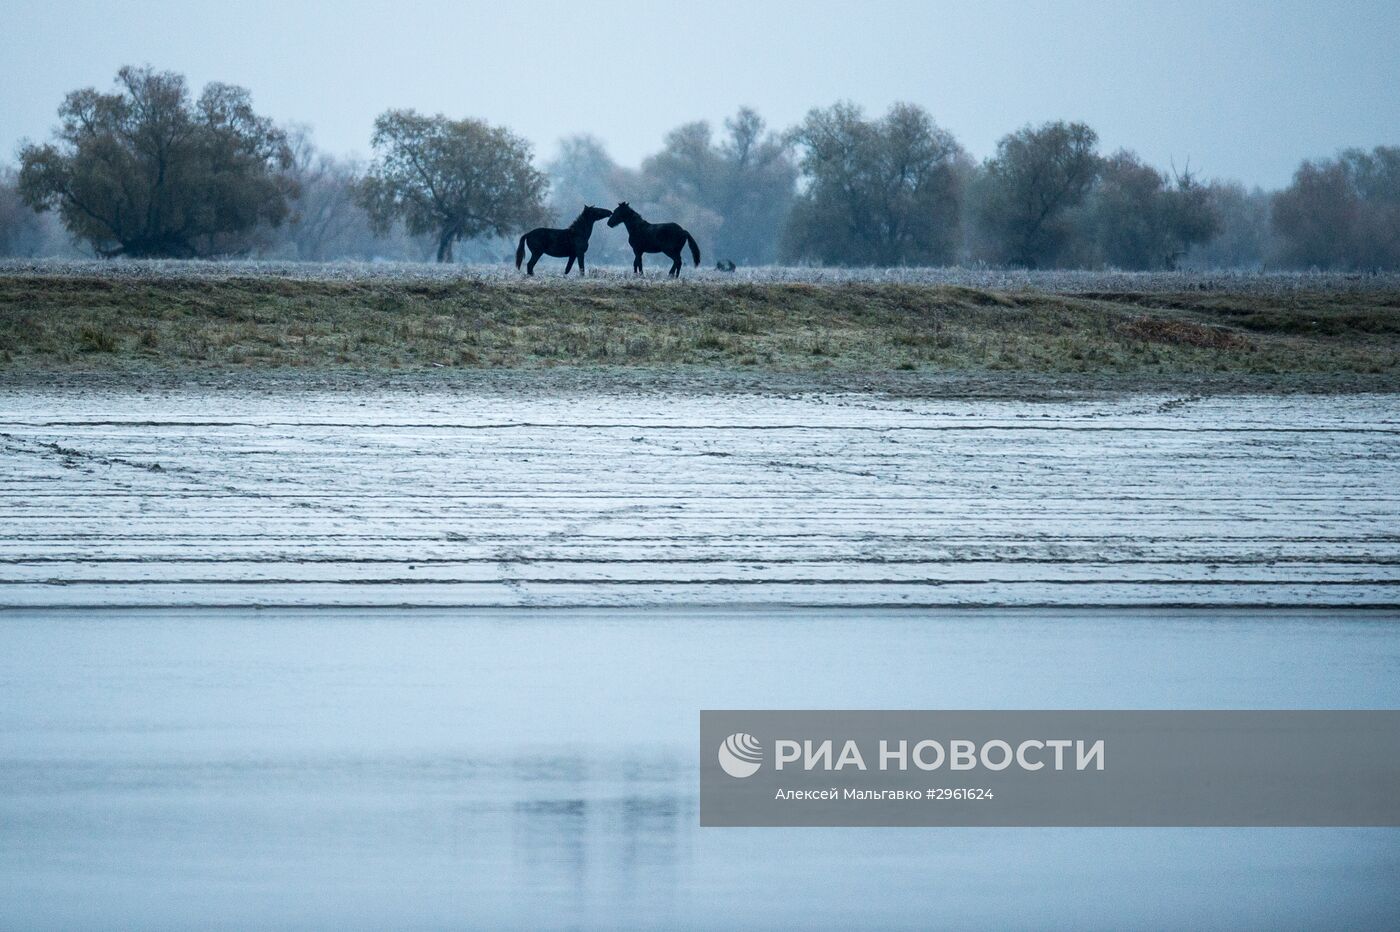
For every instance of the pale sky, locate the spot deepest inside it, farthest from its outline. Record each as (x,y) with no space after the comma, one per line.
(1243,90)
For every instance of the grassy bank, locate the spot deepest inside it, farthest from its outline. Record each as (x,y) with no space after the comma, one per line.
(77,323)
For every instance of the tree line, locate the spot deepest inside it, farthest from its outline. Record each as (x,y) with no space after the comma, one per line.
(150,170)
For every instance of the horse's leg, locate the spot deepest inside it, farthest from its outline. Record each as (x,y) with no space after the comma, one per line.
(581,272)
(637,262)
(534,257)
(675,264)
(568,265)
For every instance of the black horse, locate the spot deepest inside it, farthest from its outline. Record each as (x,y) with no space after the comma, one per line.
(644,237)
(571,242)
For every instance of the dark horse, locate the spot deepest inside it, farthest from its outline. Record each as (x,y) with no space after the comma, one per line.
(571,242)
(644,237)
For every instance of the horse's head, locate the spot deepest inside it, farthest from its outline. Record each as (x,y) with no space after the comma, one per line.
(593,214)
(621,214)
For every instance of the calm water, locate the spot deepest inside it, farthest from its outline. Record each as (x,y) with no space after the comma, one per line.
(537,769)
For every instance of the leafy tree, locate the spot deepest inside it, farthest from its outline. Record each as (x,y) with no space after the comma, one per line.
(1139,218)
(1342,212)
(745,183)
(1029,190)
(878,192)
(145,171)
(455,179)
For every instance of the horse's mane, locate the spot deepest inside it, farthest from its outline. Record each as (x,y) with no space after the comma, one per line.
(579,221)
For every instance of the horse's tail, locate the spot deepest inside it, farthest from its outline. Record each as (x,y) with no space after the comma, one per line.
(520,251)
(694,248)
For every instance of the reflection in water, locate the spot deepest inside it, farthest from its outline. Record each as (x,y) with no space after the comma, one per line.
(624,843)
(370,770)
(551,844)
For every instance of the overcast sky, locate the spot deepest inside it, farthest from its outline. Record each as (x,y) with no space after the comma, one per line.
(1242,90)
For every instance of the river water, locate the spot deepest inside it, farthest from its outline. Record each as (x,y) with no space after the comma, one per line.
(336,768)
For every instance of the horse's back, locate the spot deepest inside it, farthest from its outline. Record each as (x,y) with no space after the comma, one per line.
(551,241)
(667,235)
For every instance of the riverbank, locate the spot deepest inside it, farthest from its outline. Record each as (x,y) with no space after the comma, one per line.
(913,335)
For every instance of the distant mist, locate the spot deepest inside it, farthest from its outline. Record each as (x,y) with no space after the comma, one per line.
(843,187)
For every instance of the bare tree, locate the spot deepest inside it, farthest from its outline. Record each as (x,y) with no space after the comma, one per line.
(734,193)
(327,220)
(1243,239)
(21,229)
(584,173)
